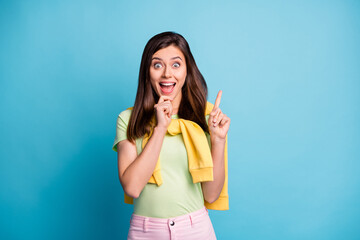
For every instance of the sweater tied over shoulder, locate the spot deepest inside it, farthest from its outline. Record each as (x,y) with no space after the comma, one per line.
(199,158)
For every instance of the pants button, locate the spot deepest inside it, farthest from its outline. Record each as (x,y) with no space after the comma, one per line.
(172,223)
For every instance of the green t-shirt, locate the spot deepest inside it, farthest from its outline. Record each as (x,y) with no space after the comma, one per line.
(177,195)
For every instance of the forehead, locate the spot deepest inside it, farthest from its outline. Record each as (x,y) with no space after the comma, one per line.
(169,52)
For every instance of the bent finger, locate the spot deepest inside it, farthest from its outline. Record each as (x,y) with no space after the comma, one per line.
(164,98)
(226,120)
(219,119)
(216,117)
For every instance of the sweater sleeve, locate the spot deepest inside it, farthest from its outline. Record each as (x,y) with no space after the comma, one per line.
(222,203)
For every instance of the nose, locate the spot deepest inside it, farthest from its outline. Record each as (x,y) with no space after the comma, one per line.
(167,72)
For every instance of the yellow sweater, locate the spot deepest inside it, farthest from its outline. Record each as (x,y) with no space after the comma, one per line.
(199,158)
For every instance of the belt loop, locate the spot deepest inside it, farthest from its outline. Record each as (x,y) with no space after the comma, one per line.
(145,224)
(191,222)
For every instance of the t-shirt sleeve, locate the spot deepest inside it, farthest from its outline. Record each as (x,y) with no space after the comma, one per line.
(121,127)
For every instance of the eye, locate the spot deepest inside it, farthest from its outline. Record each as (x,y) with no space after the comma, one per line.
(176,65)
(157,65)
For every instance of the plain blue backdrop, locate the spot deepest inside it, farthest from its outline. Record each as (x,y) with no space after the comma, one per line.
(290,75)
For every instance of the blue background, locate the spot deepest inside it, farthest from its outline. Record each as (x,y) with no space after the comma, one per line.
(289,71)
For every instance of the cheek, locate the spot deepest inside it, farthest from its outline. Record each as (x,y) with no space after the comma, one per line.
(181,76)
(153,80)
(154,75)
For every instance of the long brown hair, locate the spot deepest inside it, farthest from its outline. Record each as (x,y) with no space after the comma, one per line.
(194,91)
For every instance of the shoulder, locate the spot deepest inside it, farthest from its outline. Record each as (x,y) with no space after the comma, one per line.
(124,116)
(207,117)
(209,107)
(126,113)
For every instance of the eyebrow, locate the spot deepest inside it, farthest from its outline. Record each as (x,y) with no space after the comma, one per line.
(170,58)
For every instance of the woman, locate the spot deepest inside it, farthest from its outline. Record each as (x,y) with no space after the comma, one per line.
(171,146)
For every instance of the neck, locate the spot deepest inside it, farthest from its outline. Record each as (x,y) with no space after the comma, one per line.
(175,111)
(176,103)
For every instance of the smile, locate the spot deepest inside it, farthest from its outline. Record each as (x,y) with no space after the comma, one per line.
(167,88)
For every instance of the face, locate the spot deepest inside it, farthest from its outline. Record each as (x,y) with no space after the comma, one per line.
(168,72)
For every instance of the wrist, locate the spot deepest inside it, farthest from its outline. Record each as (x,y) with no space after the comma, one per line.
(217,140)
(160,129)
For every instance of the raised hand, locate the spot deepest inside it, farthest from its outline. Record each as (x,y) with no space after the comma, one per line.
(218,122)
(163,110)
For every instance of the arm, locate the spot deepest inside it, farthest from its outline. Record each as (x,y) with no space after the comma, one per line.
(218,124)
(212,190)
(135,171)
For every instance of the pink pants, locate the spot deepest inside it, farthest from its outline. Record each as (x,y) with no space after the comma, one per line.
(196,225)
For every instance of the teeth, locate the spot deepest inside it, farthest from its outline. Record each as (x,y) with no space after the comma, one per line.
(167,84)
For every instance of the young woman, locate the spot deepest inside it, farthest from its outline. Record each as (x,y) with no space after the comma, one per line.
(172,146)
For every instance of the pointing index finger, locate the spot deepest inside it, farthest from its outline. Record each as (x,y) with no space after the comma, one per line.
(218,98)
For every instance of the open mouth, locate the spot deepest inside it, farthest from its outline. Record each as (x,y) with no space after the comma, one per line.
(167,87)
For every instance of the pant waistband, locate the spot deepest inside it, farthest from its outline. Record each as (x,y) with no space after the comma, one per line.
(192,216)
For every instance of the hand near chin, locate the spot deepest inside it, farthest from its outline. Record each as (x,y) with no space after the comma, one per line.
(163,110)
(218,122)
